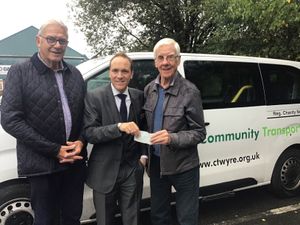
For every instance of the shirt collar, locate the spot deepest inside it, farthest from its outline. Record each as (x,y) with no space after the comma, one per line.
(157,80)
(115,91)
(61,64)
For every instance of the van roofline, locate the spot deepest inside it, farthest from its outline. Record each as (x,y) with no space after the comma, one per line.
(220,57)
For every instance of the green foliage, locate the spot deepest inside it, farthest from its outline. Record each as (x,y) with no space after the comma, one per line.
(136,25)
(267,28)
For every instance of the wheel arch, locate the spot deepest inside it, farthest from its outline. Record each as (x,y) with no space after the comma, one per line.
(14,182)
(291,148)
(290,151)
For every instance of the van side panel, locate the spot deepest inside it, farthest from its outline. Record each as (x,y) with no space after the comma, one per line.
(249,123)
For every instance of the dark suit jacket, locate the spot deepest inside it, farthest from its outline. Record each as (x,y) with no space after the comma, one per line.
(100,128)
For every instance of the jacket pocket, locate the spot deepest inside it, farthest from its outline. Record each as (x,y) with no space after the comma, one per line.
(174,111)
(174,119)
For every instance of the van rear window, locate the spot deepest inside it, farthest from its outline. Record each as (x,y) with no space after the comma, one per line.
(282,84)
(226,84)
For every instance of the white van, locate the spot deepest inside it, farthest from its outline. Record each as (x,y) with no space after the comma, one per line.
(252,116)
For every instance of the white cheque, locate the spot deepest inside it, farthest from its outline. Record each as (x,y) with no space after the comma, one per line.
(144,137)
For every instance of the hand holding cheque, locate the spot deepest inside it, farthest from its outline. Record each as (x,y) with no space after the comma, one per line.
(159,137)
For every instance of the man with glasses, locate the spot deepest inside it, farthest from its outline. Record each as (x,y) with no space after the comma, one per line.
(174,115)
(42,107)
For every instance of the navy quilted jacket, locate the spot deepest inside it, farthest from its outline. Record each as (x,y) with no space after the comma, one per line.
(31,111)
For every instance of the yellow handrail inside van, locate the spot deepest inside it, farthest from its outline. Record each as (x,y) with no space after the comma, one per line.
(238,94)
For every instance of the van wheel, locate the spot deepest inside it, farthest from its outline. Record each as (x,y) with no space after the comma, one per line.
(15,207)
(286,175)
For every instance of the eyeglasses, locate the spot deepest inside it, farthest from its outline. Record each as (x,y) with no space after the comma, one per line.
(52,40)
(169,58)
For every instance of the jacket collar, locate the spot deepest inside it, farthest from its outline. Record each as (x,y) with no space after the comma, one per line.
(173,89)
(42,68)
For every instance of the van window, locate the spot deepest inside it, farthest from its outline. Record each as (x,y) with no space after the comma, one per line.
(144,71)
(282,84)
(226,84)
(100,79)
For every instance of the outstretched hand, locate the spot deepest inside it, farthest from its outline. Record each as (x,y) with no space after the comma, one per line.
(130,128)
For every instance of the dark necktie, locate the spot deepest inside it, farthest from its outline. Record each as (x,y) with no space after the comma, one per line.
(123,108)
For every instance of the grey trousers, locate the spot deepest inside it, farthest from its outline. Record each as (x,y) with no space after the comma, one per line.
(126,194)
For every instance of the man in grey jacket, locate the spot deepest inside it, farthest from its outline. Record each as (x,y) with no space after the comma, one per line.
(174,114)
(113,115)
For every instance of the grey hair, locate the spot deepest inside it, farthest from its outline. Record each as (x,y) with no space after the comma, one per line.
(51,22)
(166,41)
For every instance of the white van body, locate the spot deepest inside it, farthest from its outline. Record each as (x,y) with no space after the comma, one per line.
(252,116)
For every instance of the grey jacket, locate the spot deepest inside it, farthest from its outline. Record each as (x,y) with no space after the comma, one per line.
(111,147)
(183,119)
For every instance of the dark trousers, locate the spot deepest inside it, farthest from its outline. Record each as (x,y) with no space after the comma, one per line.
(186,185)
(127,193)
(57,198)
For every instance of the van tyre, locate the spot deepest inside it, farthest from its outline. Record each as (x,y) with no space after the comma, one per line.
(15,206)
(286,175)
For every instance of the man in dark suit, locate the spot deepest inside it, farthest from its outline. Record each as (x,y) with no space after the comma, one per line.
(112,118)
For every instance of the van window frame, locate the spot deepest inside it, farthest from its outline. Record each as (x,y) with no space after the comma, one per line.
(139,81)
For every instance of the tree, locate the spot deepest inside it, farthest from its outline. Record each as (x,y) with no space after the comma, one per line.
(266,28)
(136,25)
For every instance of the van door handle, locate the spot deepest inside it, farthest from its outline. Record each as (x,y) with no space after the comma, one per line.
(206,123)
